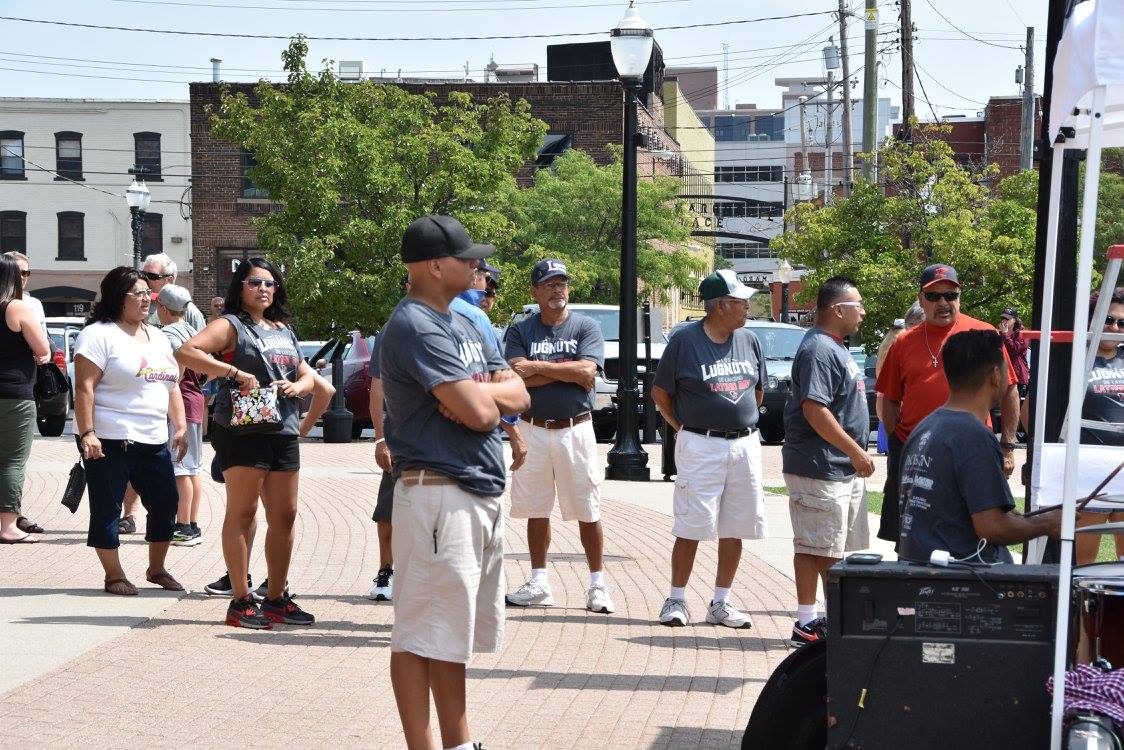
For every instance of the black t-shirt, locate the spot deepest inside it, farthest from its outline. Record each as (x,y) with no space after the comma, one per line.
(1104,399)
(575,338)
(951,468)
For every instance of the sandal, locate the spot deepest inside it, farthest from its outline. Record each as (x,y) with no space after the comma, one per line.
(28,527)
(164,580)
(120,587)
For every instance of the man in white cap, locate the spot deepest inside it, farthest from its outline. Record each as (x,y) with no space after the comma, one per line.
(159,270)
(709,386)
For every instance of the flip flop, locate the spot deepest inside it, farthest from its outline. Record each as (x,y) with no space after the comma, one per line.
(164,580)
(28,527)
(22,540)
(127,590)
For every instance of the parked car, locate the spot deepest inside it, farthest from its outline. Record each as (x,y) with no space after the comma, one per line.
(309,349)
(355,351)
(51,414)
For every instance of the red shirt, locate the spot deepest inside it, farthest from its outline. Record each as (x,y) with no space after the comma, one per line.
(909,377)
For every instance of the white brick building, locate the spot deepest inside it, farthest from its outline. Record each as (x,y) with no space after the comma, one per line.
(64,168)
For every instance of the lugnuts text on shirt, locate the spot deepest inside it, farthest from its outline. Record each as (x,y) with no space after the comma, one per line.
(550,348)
(724,377)
(472,356)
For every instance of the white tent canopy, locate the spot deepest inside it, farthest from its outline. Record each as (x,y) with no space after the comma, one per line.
(1090,54)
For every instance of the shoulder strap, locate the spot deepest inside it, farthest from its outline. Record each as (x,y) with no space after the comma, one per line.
(240,329)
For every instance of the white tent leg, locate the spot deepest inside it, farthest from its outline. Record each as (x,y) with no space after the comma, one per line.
(1076,397)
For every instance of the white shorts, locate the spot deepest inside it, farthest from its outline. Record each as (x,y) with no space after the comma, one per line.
(448,572)
(718,492)
(559,462)
(829,517)
(192,462)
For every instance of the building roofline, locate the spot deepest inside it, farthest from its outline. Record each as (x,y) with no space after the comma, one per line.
(46,99)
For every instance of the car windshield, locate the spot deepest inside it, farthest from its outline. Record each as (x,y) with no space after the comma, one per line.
(778,344)
(58,340)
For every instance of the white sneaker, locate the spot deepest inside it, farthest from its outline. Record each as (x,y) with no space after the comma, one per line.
(724,613)
(674,613)
(531,593)
(597,600)
(383,588)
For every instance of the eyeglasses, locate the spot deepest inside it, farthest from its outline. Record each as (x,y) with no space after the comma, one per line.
(860,305)
(1111,321)
(140,295)
(150,276)
(555,285)
(490,293)
(255,283)
(25,274)
(946,296)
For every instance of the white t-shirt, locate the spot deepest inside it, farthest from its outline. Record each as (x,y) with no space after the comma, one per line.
(131,399)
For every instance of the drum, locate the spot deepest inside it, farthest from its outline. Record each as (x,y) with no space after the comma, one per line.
(1099,594)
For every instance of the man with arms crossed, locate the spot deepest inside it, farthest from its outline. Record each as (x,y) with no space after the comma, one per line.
(557,353)
(709,386)
(955,496)
(824,458)
(445,388)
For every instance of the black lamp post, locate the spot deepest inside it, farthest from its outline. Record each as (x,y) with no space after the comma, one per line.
(631,45)
(138,197)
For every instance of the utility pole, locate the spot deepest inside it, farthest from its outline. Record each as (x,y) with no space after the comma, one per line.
(848,143)
(725,75)
(870,89)
(829,134)
(804,135)
(907,71)
(1026,131)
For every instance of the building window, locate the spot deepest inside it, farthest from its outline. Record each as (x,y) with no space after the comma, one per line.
(147,148)
(11,155)
(553,146)
(743,250)
(746,173)
(742,210)
(152,234)
(13,231)
(71,236)
(730,128)
(68,156)
(249,189)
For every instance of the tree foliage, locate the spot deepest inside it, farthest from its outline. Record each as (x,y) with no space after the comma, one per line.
(352,164)
(928,210)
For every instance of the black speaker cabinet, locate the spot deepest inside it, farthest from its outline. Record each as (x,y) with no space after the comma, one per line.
(921,657)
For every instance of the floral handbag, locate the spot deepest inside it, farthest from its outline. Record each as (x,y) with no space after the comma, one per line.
(256,410)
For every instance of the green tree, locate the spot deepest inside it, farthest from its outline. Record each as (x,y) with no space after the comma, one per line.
(573,213)
(351,164)
(927,210)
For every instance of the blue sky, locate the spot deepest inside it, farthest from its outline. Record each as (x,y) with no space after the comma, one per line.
(958,73)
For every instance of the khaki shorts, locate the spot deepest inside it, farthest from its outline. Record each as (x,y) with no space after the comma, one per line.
(718,492)
(829,518)
(448,572)
(559,462)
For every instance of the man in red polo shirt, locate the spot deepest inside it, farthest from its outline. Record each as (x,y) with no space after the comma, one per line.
(913,385)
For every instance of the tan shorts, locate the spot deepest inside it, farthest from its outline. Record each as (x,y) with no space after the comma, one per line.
(829,518)
(559,462)
(718,492)
(448,572)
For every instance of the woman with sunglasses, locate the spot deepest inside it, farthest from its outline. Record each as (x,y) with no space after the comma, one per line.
(257,349)
(126,391)
(1104,402)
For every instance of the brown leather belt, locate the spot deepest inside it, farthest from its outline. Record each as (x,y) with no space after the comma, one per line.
(557,424)
(413,477)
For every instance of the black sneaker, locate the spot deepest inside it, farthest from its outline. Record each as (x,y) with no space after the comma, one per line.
(383,588)
(222,586)
(285,610)
(812,632)
(244,613)
(127,525)
(262,591)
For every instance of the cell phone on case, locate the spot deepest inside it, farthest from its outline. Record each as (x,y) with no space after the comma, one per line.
(864,558)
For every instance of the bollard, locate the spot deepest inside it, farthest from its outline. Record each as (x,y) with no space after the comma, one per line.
(337,420)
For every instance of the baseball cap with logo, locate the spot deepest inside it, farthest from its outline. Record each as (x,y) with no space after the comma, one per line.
(938,272)
(436,236)
(175,298)
(724,283)
(1010,313)
(548,269)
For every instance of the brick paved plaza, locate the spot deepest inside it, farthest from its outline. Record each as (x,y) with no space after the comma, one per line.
(86,668)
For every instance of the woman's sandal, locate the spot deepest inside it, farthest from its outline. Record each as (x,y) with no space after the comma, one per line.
(28,527)
(164,580)
(120,587)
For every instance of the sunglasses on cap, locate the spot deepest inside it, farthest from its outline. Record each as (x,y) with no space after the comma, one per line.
(255,283)
(946,296)
(149,275)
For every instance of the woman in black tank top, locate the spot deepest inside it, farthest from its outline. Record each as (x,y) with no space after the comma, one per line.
(23,343)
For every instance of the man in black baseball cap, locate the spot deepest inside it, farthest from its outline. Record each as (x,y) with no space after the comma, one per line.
(435,236)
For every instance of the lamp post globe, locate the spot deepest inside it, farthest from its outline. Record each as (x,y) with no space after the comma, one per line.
(137,197)
(631,45)
(784,276)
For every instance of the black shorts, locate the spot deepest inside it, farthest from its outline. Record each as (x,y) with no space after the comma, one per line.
(385,502)
(267,452)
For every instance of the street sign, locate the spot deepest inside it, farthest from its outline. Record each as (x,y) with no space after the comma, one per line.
(872,19)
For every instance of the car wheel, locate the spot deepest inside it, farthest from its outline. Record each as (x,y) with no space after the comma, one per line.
(51,425)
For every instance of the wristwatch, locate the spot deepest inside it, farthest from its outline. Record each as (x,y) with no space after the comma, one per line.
(1008,446)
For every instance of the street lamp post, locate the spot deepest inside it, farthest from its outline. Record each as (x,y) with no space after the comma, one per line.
(631,45)
(784,275)
(138,198)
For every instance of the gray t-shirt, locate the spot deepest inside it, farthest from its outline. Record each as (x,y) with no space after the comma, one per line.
(1104,399)
(422,349)
(825,372)
(373,365)
(712,385)
(951,468)
(575,338)
(255,347)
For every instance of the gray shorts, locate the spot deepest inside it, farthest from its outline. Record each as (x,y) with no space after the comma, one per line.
(192,462)
(385,502)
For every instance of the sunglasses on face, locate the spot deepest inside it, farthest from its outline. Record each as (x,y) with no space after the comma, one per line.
(1111,321)
(150,276)
(256,283)
(25,274)
(140,295)
(946,296)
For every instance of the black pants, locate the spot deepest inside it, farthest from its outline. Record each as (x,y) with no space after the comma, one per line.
(890,526)
(148,467)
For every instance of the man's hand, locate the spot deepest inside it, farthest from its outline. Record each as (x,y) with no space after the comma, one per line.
(588,381)
(1008,462)
(518,449)
(524,368)
(501,376)
(383,456)
(863,463)
(179,445)
(447,413)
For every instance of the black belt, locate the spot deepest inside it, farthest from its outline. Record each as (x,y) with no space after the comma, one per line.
(728,434)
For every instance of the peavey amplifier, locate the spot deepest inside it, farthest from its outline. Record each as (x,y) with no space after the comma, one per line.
(921,657)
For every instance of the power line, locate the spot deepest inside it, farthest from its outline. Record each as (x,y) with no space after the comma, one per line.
(965,33)
(230,35)
(291,9)
(946,88)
